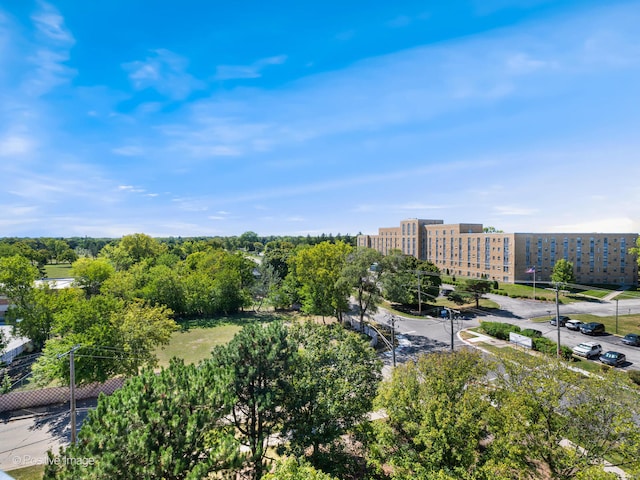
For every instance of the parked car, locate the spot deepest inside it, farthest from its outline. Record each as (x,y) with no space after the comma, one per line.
(593,328)
(574,324)
(588,349)
(563,320)
(631,339)
(615,359)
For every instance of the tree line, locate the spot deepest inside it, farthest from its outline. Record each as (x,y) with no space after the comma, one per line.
(135,294)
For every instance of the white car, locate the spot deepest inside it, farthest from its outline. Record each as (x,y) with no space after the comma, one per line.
(574,324)
(588,349)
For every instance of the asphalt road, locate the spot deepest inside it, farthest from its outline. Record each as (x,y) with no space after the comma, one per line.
(435,334)
(26,436)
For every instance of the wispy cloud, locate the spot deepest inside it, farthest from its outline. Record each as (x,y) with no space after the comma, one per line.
(51,53)
(254,70)
(165,72)
(515,210)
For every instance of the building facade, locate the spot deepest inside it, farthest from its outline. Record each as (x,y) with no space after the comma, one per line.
(465,250)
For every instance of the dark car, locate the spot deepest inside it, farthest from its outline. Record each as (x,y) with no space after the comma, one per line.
(631,339)
(563,320)
(615,359)
(593,328)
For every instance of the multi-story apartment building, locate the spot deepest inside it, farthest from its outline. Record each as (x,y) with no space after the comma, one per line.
(465,250)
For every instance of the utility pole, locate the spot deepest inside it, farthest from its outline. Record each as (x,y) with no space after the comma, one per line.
(72,390)
(558,318)
(393,339)
(451,323)
(419,299)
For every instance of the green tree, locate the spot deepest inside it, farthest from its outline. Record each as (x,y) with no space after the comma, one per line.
(362,272)
(90,274)
(168,425)
(334,380)
(32,308)
(404,276)
(563,273)
(550,418)
(164,286)
(436,414)
(259,360)
(132,249)
(292,468)
(116,338)
(472,288)
(318,269)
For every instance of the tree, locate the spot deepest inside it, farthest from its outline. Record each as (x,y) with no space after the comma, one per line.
(168,425)
(259,361)
(132,249)
(362,273)
(116,338)
(563,273)
(406,279)
(553,419)
(91,274)
(318,270)
(334,379)
(436,409)
(164,286)
(32,308)
(292,468)
(472,288)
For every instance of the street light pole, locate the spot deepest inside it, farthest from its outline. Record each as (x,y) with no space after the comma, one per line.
(393,339)
(451,323)
(558,318)
(616,316)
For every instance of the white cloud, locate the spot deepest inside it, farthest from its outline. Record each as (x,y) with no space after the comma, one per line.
(50,24)
(51,52)
(237,72)
(12,145)
(165,72)
(129,151)
(515,210)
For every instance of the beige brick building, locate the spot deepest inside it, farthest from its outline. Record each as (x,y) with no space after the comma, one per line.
(464,250)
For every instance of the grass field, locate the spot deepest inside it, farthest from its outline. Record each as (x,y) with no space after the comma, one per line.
(28,473)
(61,270)
(195,344)
(198,337)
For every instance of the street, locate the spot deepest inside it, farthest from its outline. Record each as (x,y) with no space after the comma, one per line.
(435,333)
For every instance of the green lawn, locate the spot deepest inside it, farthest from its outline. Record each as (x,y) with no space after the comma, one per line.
(60,270)
(28,473)
(195,344)
(198,337)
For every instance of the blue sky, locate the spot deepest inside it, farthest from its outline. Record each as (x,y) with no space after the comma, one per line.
(293,118)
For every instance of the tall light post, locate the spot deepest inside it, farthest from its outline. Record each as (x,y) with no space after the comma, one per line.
(558,318)
(616,316)
(443,314)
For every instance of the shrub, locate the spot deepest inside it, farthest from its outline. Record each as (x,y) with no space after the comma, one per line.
(531,333)
(634,375)
(499,330)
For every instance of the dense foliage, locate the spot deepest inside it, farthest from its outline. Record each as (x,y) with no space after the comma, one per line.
(536,419)
(189,421)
